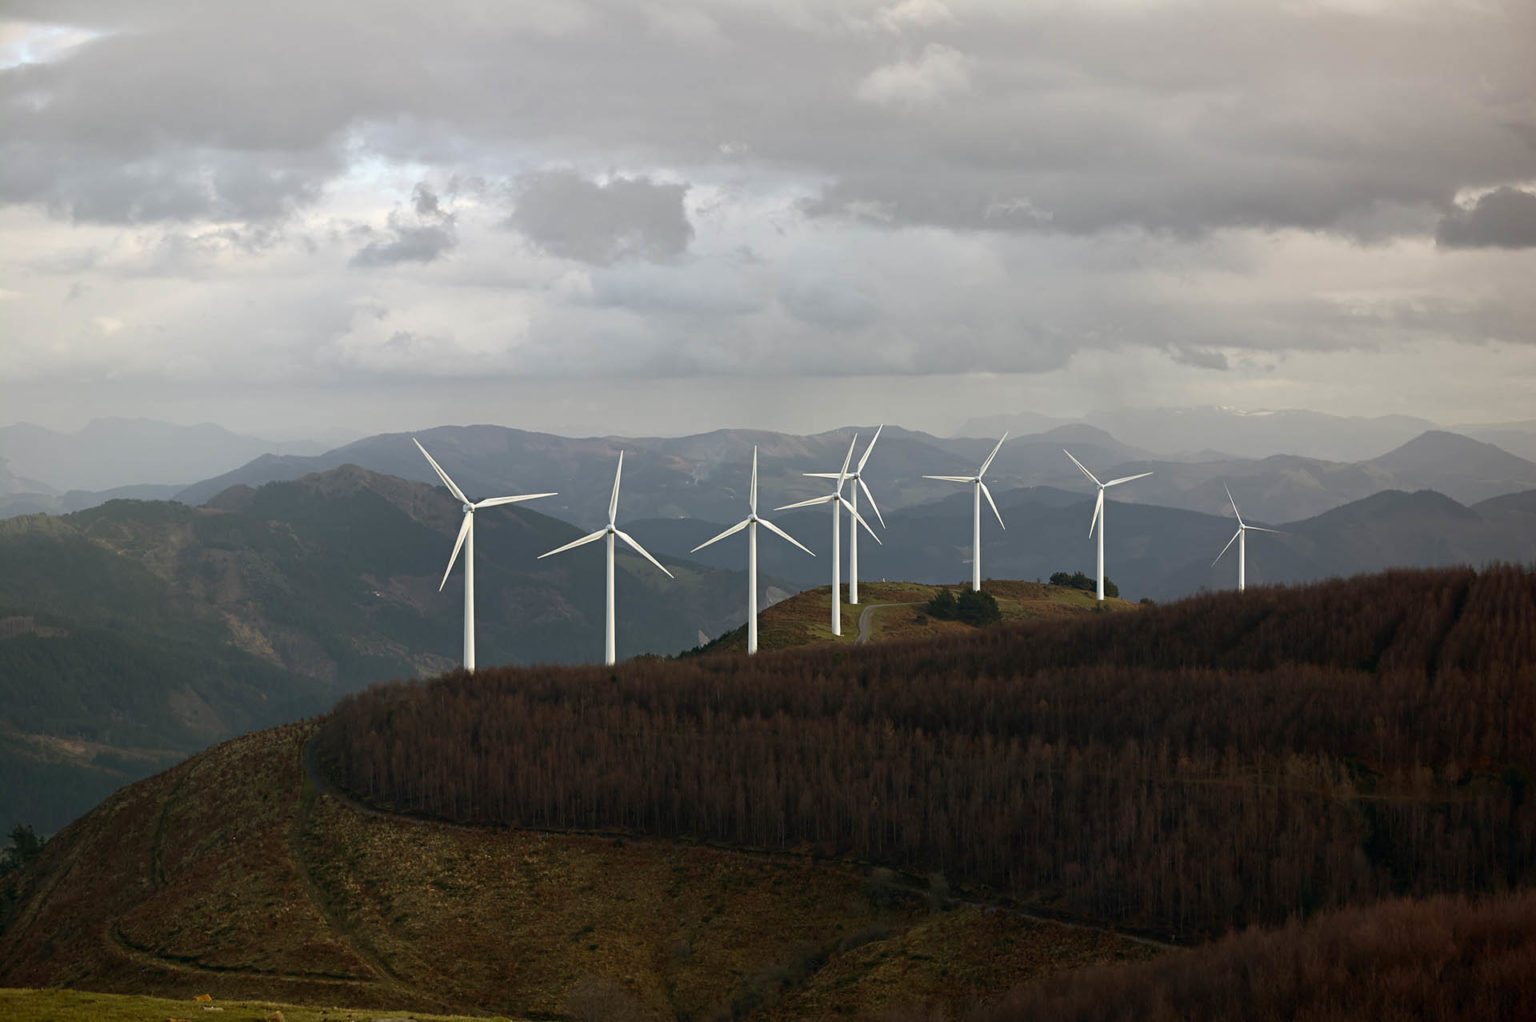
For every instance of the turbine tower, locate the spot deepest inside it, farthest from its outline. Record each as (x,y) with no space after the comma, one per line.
(466,541)
(978,489)
(857,478)
(750,523)
(838,502)
(608,533)
(1098,509)
(1241,536)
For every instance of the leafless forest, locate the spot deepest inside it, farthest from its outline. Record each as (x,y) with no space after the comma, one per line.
(1189,769)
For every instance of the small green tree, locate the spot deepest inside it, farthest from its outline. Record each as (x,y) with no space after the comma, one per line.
(943,605)
(25,846)
(977,607)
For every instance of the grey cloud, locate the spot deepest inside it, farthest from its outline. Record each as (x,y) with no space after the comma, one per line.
(828,303)
(1504,218)
(1188,119)
(419,243)
(433,234)
(425,201)
(568,216)
(1198,358)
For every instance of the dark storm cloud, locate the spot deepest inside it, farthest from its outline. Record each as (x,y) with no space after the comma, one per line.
(1504,218)
(566,215)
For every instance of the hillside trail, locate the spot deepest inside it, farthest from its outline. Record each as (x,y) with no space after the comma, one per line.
(868,611)
(324,786)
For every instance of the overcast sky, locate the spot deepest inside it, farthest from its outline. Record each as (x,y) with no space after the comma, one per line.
(597,216)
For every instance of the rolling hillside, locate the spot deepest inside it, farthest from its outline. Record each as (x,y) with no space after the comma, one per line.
(233,875)
(135,633)
(854,831)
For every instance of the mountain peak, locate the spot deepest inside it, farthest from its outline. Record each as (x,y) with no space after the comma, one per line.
(1441,445)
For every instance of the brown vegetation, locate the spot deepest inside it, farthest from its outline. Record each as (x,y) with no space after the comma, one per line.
(1441,958)
(1226,760)
(232,875)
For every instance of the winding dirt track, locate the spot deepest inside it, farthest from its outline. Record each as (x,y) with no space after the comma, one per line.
(865,616)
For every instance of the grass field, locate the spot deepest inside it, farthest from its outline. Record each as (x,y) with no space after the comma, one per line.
(805,617)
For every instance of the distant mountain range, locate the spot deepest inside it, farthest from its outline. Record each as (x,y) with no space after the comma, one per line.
(122,457)
(1227,432)
(1151,551)
(705,476)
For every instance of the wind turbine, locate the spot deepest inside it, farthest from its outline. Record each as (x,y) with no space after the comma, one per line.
(466,541)
(1098,509)
(609,532)
(1241,536)
(750,523)
(857,479)
(838,502)
(978,488)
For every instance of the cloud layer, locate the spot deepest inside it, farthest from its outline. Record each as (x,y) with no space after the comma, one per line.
(678,187)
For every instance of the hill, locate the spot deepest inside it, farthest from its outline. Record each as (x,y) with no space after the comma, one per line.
(722,835)
(135,633)
(233,875)
(894,611)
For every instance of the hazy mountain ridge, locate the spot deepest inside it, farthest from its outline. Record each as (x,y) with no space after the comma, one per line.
(705,476)
(48,470)
(1150,550)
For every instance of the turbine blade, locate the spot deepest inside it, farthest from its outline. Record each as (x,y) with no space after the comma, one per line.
(954,479)
(860,519)
(1224,549)
(733,529)
(441,474)
(871,498)
(1098,511)
(988,494)
(1235,511)
(807,503)
(820,475)
(1260,528)
(846,459)
(865,460)
(1126,479)
(592,537)
(469,523)
(1079,464)
(613,501)
(626,537)
(983,470)
(780,532)
(496,501)
(752,493)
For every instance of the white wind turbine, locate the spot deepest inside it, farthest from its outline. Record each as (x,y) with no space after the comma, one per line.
(857,478)
(838,502)
(609,532)
(1241,537)
(978,489)
(466,541)
(750,523)
(1098,509)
